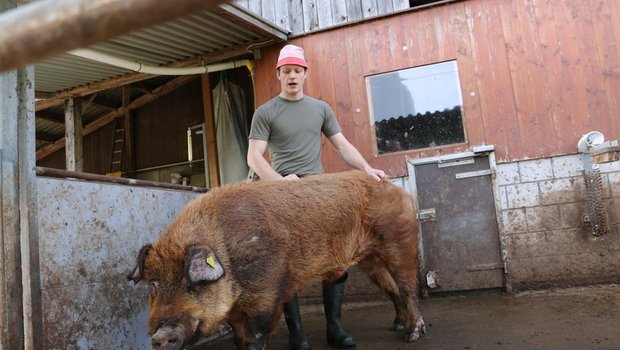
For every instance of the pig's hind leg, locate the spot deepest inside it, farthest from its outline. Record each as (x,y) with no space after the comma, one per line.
(400,284)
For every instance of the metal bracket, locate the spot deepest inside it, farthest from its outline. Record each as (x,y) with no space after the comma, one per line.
(427,214)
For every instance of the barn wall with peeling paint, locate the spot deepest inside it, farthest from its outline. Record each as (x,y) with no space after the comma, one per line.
(90,234)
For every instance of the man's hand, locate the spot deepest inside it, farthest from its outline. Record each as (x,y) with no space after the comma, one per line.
(377,174)
(291,177)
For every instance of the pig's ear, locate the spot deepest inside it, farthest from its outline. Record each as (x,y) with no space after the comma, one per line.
(201,265)
(138,271)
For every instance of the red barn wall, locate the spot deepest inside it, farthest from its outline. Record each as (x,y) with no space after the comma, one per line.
(535,75)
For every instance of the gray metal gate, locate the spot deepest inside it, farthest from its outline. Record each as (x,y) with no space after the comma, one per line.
(460,247)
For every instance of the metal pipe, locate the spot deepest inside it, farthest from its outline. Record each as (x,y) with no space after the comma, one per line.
(51,172)
(155,70)
(45,28)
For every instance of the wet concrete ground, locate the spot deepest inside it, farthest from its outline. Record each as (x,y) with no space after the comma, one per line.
(569,319)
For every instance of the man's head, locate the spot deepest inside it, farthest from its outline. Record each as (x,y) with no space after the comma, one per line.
(291,54)
(291,71)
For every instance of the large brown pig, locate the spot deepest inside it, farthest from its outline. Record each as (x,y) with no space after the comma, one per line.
(238,252)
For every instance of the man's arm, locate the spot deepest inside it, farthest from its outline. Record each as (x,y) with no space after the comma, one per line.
(260,165)
(353,157)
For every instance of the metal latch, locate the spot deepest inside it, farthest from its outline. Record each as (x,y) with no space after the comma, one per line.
(484,267)
(427,214)
(474,174)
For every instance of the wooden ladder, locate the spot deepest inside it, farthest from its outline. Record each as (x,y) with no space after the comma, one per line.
(118,143)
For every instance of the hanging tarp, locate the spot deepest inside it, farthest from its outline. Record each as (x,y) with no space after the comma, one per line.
(231,130)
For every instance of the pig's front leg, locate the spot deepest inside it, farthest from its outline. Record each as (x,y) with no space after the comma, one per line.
(258,331)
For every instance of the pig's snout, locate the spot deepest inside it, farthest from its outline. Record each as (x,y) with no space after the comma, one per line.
(167,338)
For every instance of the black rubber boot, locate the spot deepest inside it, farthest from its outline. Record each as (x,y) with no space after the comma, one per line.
(296,338)
(332,303)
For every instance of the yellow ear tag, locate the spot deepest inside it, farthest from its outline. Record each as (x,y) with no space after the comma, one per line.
(211,261)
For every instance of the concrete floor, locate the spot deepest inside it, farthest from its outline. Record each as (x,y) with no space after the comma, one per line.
(575,318)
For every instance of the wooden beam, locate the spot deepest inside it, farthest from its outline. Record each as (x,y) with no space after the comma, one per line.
(137,103)
(209,115)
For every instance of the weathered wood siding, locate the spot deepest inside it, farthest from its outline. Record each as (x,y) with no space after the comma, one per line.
(535,75)
(302,16)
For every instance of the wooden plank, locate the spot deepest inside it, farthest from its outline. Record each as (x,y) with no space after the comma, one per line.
(576,121)
(324,13)
(369,8)
(363,129)
(526,66)
(296,16)
(492,73)
(354,9)
(340,99)
(399,5)
(256,6)
(268,10)
(384,7)
(556,103)
(473,122)
(311,15)
(339,12)
(593,68)
(281,13)
(371,43)
(607,26)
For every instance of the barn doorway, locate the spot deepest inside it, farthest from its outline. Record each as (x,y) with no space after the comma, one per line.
(460,246)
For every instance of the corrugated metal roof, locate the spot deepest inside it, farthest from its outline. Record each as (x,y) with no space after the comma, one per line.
(202,34)
(208,37)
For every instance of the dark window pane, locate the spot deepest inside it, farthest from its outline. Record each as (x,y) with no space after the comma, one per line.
(417,107)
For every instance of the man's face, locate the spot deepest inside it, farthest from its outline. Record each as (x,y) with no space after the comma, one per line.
(292,78)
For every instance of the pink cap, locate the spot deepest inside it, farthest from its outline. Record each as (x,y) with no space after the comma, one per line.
(291,54)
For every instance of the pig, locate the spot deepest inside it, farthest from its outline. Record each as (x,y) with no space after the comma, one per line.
(238,252)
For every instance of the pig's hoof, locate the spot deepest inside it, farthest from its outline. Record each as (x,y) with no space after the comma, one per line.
(420,327)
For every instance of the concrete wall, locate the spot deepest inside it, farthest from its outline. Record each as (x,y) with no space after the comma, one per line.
(543,202)
(90,234)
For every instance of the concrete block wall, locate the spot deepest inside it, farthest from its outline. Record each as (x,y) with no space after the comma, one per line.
(548,244)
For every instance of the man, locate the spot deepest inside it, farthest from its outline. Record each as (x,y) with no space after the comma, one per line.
(290,125)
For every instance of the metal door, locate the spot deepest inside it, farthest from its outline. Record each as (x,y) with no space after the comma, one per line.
(459,233)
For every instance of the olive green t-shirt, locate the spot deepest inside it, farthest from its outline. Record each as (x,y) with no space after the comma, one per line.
(292,130)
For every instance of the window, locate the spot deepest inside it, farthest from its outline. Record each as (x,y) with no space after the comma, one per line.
(417,108)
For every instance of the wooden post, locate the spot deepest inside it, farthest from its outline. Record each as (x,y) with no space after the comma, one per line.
(20,283)
(128,147)
(73,135)
(211,151)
